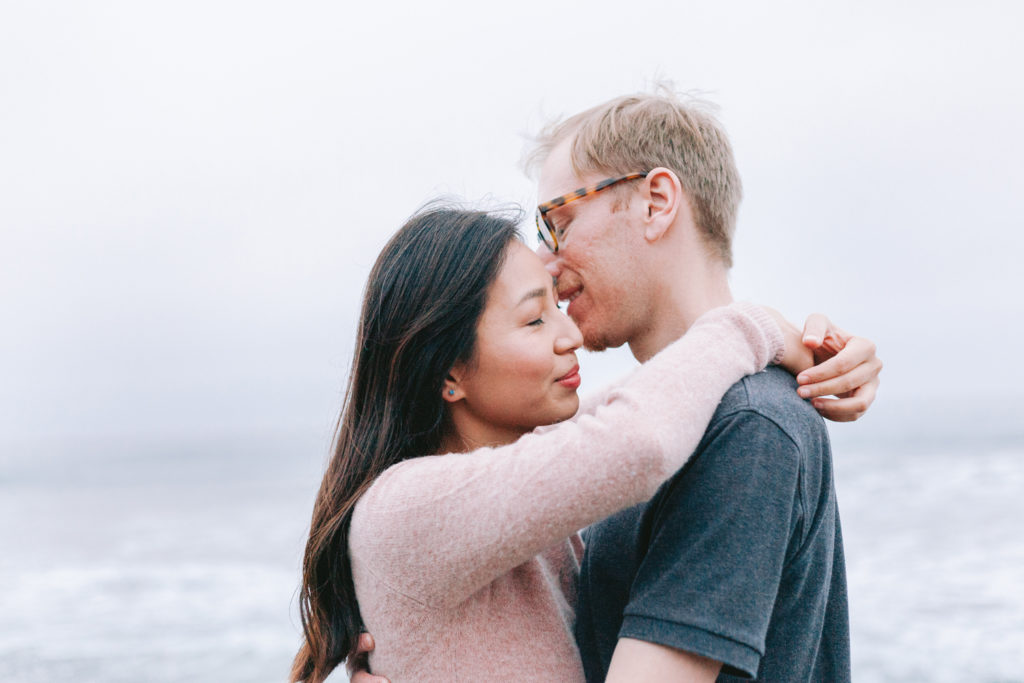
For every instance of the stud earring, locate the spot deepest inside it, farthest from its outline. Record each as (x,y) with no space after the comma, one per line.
(451,392)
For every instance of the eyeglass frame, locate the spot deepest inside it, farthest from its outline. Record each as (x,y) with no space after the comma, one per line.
(542,209)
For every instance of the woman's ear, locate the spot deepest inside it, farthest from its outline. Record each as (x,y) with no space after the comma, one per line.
(452,388)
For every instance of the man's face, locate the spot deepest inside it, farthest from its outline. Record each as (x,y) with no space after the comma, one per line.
(597,264)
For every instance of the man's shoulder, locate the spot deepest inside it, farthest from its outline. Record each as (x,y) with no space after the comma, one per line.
(769,399)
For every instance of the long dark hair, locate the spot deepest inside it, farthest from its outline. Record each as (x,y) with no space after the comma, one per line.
(423,300)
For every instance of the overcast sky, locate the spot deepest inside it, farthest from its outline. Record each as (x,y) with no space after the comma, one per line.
(192,193)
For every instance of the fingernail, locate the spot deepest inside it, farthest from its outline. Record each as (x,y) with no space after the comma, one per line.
(811,339)
(804,392)
(801,378)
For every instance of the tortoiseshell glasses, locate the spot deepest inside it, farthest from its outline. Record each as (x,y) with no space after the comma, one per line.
(547,232)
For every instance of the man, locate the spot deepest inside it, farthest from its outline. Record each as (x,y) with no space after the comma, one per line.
(735,567)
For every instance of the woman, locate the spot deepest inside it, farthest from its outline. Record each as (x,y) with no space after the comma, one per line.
(463,565)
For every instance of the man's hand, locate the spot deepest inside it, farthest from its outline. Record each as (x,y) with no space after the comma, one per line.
(845,366)
(358,665)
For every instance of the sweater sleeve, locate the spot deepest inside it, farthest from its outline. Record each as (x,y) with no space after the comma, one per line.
(439,528)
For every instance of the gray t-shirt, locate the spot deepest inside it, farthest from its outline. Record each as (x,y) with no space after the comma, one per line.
(738,557)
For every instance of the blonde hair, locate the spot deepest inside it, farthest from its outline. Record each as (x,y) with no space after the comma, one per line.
(644,131)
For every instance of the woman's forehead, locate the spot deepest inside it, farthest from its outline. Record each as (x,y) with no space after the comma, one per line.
(522,274)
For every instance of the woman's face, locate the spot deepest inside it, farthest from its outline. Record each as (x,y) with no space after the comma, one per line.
(524,371)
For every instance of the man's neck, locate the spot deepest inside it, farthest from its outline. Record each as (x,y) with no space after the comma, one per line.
(678,307)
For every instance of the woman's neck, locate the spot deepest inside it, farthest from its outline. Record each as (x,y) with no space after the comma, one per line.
(465,434)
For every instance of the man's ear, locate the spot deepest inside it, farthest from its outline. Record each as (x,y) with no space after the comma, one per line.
(663,197)
(451,389)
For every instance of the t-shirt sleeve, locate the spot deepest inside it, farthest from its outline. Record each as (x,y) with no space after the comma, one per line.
(718,544)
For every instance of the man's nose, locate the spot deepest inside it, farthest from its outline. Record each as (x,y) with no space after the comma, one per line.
(549,259)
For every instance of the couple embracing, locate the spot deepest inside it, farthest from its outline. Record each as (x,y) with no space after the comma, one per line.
(464,463)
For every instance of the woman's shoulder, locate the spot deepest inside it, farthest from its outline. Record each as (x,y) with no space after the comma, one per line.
(395,483)
(394,519)
(403,487)
(373,517)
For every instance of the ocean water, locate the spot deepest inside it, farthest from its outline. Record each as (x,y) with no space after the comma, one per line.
(935,554)
(178,560)
(153,561)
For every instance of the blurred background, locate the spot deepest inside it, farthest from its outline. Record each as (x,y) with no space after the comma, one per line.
(192,195)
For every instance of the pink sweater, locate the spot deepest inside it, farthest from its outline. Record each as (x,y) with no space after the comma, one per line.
(465,564)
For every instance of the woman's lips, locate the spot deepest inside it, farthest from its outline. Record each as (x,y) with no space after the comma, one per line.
(572,379)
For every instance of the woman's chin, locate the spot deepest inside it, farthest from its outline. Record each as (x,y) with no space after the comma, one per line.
(565,410)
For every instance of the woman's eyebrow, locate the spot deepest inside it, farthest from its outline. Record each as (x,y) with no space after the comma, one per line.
(533,294)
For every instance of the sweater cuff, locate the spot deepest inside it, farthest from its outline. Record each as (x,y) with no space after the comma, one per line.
(775,342)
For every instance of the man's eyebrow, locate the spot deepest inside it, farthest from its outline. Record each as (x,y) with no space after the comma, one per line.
(533,294)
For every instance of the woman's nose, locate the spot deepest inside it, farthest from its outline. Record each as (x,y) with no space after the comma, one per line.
(570,338)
